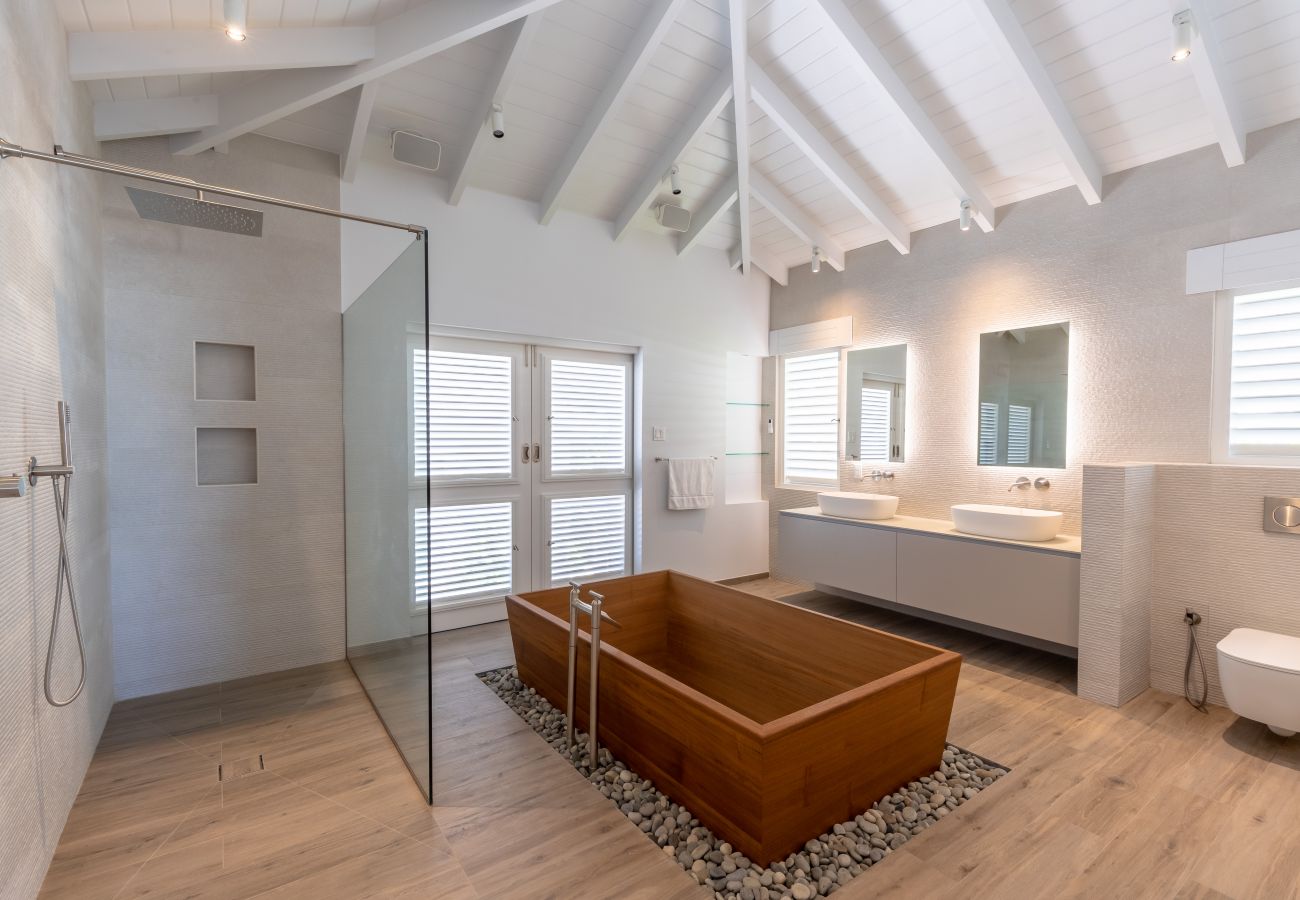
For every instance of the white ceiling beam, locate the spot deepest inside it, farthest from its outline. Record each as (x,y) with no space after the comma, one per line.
(120,119)
(796,220)
(416,34)
(771,266)
(705,112)
(1211,80)
(1008,37)
(738,20)
(871,64)
(519,35)
(365,105)
(140,54)
(634,60)
(707,214)
(814,145)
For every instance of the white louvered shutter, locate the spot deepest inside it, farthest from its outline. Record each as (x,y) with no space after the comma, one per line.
(1264,406)
(588,537)
(809,418)
(470,407)
(875,418)
(1019,431)
(988,437)
(463,551)
(589,418)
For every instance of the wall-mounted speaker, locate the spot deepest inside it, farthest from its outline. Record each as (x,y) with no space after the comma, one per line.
(416,150)
(678,218)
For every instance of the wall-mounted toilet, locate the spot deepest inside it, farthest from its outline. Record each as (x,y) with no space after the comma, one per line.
(1260,675)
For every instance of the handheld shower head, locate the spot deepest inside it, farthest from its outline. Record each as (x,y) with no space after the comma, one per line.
(65,433)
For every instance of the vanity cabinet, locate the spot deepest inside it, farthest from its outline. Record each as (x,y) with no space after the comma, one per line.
(862,560)
(1015,587)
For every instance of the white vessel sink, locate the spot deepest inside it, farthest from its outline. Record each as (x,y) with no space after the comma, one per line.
(855,505)
(1011,523)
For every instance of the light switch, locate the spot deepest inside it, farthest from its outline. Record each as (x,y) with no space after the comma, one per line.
(658,433)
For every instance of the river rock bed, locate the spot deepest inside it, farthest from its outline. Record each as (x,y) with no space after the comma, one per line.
(824,865)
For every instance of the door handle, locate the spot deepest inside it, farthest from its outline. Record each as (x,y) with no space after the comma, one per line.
(526,449)
(537,453)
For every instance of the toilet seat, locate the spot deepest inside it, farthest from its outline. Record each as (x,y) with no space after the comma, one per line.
(1280,652)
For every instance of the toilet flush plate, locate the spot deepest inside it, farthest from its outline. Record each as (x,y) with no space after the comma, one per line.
(1282,514)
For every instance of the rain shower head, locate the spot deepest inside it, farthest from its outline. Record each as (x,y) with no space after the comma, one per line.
(199,213)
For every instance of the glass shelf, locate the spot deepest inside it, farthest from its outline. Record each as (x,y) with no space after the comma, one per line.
(746,453)
(745,403)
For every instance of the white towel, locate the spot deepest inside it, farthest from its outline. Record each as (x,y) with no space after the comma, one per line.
(690,483)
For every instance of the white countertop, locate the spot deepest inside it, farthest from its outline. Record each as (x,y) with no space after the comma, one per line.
(1062,543)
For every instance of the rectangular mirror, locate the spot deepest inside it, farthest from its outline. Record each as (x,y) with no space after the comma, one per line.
(874,400)
(1024,376)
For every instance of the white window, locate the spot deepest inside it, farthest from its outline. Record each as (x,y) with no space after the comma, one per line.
(988,449)
(1019,434)
(810,400)
(1257,380)
(875,422)
(529,456)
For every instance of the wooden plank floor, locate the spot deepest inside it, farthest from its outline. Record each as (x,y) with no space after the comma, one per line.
(1154,800)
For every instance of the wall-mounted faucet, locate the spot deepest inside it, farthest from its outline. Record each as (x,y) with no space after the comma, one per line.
(1021,482)
(879,475)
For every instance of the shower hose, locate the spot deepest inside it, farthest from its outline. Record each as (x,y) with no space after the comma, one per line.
(1194,654)
(62,499)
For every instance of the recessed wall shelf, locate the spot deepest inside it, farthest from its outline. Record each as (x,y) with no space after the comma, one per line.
(224,371)
(225,455)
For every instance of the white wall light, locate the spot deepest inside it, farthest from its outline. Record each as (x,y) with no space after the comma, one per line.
(963,220)
(1182,36)
(236,16)
(816,260)
(498,121)
(674,181)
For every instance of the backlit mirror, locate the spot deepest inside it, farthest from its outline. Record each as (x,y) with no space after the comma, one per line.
(874,398)
(1024,375)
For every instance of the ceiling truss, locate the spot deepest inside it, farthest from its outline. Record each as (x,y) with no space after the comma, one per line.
(316,64)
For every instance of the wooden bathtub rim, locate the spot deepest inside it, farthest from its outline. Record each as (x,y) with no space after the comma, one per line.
(790,722)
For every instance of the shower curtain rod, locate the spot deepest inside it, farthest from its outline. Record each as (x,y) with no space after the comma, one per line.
(64,158)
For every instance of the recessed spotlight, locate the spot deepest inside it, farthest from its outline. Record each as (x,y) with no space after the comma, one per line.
(1182,36)
(963,220)
(816,260)
(674,182)
(236,15)
(498,121)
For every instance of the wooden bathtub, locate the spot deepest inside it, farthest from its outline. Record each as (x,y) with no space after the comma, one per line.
(769,722)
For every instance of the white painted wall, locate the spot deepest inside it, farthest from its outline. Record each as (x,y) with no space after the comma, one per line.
(494,267)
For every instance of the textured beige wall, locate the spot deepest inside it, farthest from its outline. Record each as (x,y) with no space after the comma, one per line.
(51,348)
(1140,348)
(221,581)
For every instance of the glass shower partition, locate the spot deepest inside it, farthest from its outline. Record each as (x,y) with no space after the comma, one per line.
(386,498)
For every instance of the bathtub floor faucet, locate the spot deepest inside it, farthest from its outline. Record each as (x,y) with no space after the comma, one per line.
(593,610)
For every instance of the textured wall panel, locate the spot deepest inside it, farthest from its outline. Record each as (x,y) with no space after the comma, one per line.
(51,348)
(1116,581)
(1212,555)
(214,582)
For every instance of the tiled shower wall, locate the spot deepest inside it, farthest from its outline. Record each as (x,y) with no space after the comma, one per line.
(51,348)
(1140,348)
(219,581)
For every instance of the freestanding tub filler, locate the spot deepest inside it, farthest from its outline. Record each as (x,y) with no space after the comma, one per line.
(769,722)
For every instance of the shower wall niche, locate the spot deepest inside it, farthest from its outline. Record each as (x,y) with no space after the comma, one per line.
(224,371)
(225,455)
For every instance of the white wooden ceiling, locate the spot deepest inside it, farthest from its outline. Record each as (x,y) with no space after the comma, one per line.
(1105,64)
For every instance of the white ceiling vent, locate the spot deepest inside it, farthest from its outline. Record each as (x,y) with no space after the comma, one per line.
(677,218)
(416,150)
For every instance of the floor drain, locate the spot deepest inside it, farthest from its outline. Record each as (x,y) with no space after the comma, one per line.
(241,768)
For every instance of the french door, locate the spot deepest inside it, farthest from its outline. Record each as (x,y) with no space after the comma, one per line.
(529,456)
